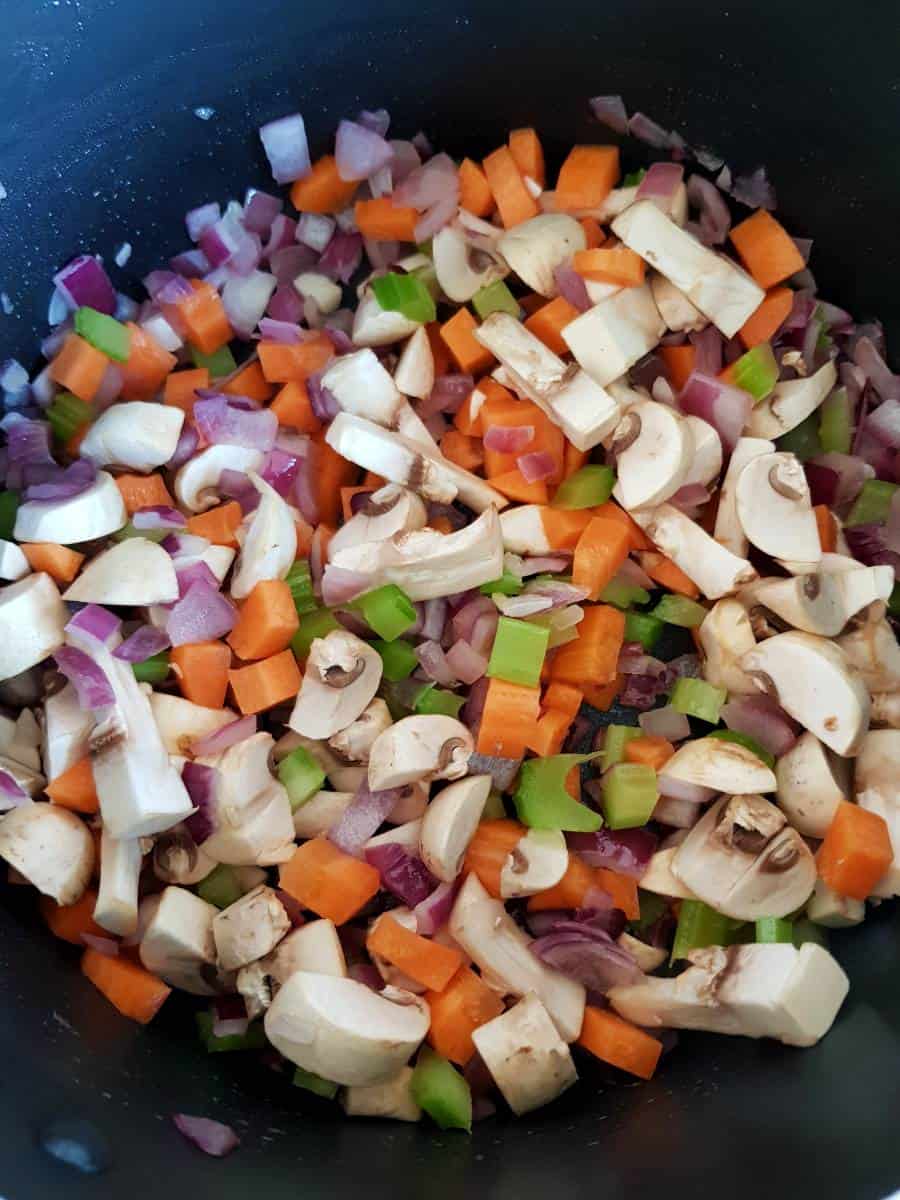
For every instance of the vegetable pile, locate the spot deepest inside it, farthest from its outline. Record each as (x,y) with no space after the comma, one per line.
(308,604)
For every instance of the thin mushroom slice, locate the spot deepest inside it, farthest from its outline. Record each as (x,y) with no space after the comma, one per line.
(341,678)
(360,384)
(812,782)
(775,509)
(874,653)
(728,530)
(414,374)
(391,510)
(135,572)
(535,248)
(716,571)
(653,446)
(719,765)
(449,824)
(460,269)
(537,862)
(725,636)
(790,403)
(270,544)
(811,603)
(419,749)
(354,743)
(706,454)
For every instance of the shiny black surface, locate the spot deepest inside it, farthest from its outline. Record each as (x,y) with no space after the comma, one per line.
(99,144)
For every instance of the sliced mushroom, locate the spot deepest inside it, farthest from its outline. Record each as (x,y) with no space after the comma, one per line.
(527,1059)
(812,782)
(178,943)
(886,709)
(419,749)
(411,805)
(654,447)
(51,847)
(178,859)
(20,739)
(32,620)
(116,909)
(706,457)
(790,403)
(313,947)
(67,727)
(450,823)
(648,958)
(414,373)
(715,570)
(252,814)
(813,681)
(873,652)
(255,986)
(877,790)
(811,603)
(535,248)
(13,563)
(360,384)
(610,337)
(94,513)
(661,880)
(197,482)
(537,862)
(342,676)
(719,765)
(725,636)
(250,928)
(376,326)
(134,572)
(407,834)
(393,1099)
(523,530)
(137,435)
(320,812)
(28,779)
(389,511)
(728,530)
(344,1031)
(775,510)
(355,741)
(827,908)
(679,314)
(313,285)
(461,269)
(410,424)
(270,545)
(181,722)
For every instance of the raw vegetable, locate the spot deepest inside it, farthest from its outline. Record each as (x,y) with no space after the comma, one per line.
(126,985)
(774,929)
(518,652)
(697,698)
(619,1043)
(586,488)
(542,801)
(630,793)
(387,610)
(405,294)
(440,1090)
(856,851)
(699,926)
(301,775)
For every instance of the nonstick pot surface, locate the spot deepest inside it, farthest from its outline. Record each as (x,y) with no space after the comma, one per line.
(100,145)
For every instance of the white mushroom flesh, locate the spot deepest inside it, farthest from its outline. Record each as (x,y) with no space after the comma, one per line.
(725,635)
(392,1098)
(775,510)
(135,572)
(414,374)
(654,450)
(341,678)
(249,929)
(360,384)
(812,782)
(389,511)
(270,544)
(419,748)
(178,943)
(137,435)
(535,248)
(790,403)
(537,862)
(94,513)
(51,847)
(32,620)
(527,1058)
(197,482)
(719,765)
(117,897)
(609,338)
(449,824)
(715,570)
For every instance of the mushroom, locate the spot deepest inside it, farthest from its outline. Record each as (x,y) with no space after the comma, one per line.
(725,636)
(501,950)
(706,457)
(811,603)
(766,990)
(51,847)
(610,337)
(886,709)
(354,742)
(116,909)
(181,722)
(660,879)
(32,620)
(94,513)
(413,428)
(744,860)
(408,834)
(653,448)
(728,530)
(270,545)
(535,248)
(255,986)
(427,564)
(13,563)
(134,572)
(342,675)
(827,908)
(313,947)
(326,294)
(812,782)
(389,511)
(21,739)
(343,1030)
(813,681)
(361,385)
(775,510)
(719,765)
(713,283)
(67,727)
(411,805)
(873,652)
(527,1059)
(250,928)
(715,570)
(461,269)
(178,943)
(414,373)
(137,435)
(392,1098)
(197,483)
(320,812)
(790,403)
(419,748)
(523,532)
(679,314)
(376,326)
(648,958)
(449,824)
(253,823)
(537,862)
(28,778)
(178,859)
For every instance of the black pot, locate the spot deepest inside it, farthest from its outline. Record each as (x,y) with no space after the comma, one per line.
(101,145)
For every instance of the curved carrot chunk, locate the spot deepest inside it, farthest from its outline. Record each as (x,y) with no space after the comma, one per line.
(328,881)
(489,849)
(619,1043)
(464,1005)
(429,963)
(132,990)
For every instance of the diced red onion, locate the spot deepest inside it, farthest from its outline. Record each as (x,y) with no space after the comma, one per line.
(84,282)
(836,479)
(708,345)
(359,151)
(465,663)
(339,586)
(868,359)
(201,783)
(11,794)
(142,644)
(508,439)
(260,211)
(754,190)
(222,739)
(245,299)
(610,111)
(285,333)
(282,235)
(868,544)
(363,972)
(97,622)
(434,663)
(448,394)
(402,873)
(342,257)
(680,814)
(193,573)
(286,305)
(693,793)
(647,131)
(571,286)
(726,408)
(559,594)
(108,947)
(545,564)
(464,619)
(235,485)
(200,218)
(290,261)
(212,1137)
(536,467)
(280,471)
(432,189)
(191,264)
(315,230)
(435,618)
(202,615)
(589,956)
(360,821)
(434,910)
(66,483)
(883,423)
(892,526)
(661,183)
(715,219)
(220,422)
(158,516)
(690,498)
(89,680)
(634,573)
(762,719)
(665,722)
(286,147)
(626,851)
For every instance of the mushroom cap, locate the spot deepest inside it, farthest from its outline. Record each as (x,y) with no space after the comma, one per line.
(51,847)
(457,263)
(33,618)
(728,530)
(812,603)
(391,510)
(414,373)
(790,403)
(94,513)
(537,862)
(419,748)
(392,1098)
(181,722)
(528,1060)
(315,946)
(376,326)
(341,678)
(270,544)
(874,653)
(136,434)
(720,765)
(361,385)
(197,482)
(354,743)
(178,943)
(134,572)
(725,635)
(535,248)
(611,336)
(775,509)
(449,824)
(877,767)
(654,449)
(178,859)
(660,879)
(812,782)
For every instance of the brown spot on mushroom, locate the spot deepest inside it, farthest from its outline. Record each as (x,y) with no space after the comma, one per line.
(627,433)
(337,677)
(418,473)
(812,586)
(373,508)
(764,681)
(519,863)
(830,723)
(445,755)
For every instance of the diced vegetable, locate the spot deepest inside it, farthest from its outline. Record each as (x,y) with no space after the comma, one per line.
(152,670)
(440,1090)
(316,624)
(253,1039)
(872,504)
(496,297)
(542,801)
(331,883)
(301,775)
(619,1043)
(507,585)
(221,886)
(201,669)
(590,486)
(398,658)
(803,439)
(594,656)
(266,622)
(649,749)
(600,552)
(68,416)
(766,249)
(623,595)
(9,506)
(518,652)
(774,929)
(104,333)
(744,739)
(219,363)
(616,738)
(126,985)
(463,1006)
(262,685)
(644,628)
(430,963)
(630,793)
(388,610)
(756,372)
(699,926)
(836,423)
(436,701)
(679,610)
(697,698)
(405,294)
(856,851)
(311,1082)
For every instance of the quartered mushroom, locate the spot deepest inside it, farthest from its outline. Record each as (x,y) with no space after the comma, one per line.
(66,729)
(679,314)
(94,513)
(253,824)
(250,928)
(814,682)
(360,384)
(812,782)
(660,879)
(178,859)
(345,1031)
(790,403)
(528,1060)
(610,337)
(137,435)
(315,946)
(885,709)
(449,824)
(653,447)
(181,722)
(775,509)
(197,482)
(178,943)
(51,847)
(391,510)
(377,326)
(873,652)
(13,563)
(406,834)
(744,860)
(706,456)
(116,909)
(313,285)
(461,269)
(811,603)
(354,743)
(341,678)
(728,530)
(876,787)
(714,569)
(419,749)
(134,572)
(33,618)
(410,424)
(535,248)
(523,530)
(392,1098)
(269,547)
(826,907)
(648,958)
(414,373)
(537,862)
(719,765)
(725,636)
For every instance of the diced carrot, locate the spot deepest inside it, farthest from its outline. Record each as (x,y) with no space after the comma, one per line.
(347,494)
(856,851)
(458,335)
(266,622)
(328,881)
(564,526)
(143,491)
(600,551)
(429,963)
(201,669)
(263,684)
(59,562)
(514,485)
(612,264)
(79,368)
(466,452)
(594,235)
(826,527)
(575,459)
(671,576)
(383,221)
(218,525)
(474,192)
(763,324)
(619,1043)
(439,351)
(181,387)
(549,732)
(441,524)
(602,696)
(564,697)
(594,655)
(649,750)
(69,921)
(525,147)
(204,318)
(126,985)
(503,410)
(766,249)
(514,201)
(579,880)
(510,710)
(292,407)
(550,320)
(283,362)
(75,788)
(329,473)
(610,511)
(322,190)
(491,845)
(678,362)
(147,368)
(305,534)
(251,382)
(587,177)
(465,1004)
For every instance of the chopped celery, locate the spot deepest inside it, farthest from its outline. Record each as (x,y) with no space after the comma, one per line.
(9,506)
(585,488)
(129,531)
(542,801)
(310,1082)
(806,931)
(494,808)
(388,610)
(697,698)
(221,887)
(299,580)
(872,504)
(434,701)
(104,333)
(836,423)
(894,601)
(679,610)
(634,178)
(652,908)
(496,297)
(774,929)
(803,440)
(616,739)
(439,1089)
(518,651)
(317,624)
(623,595)
(507,585)
(644,628)
(630,794)
(744,739)
(398,659)
(253,1039)
(219,364)
(756,371)
(699,926)
(153,669)
(406,294)
(68,415)
(301,776)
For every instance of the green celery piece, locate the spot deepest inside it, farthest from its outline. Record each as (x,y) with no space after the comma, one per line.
(104,333)
(9,506)
(623,595)
(586,487)
(441,1091)
(802,440)
(299,580)
(518,652)
(68,415)
(872,504)
(679,610)
(697,698)
(894,601)
(745,740)
(221,887)
(700,926)
(311,1082)
(435,701)
(836,423)
(615,740)
(494,807)
(496,297)
(153,669)
(756,371)
(805,931)
(542,801)
(644,628)
(388,610)
(253,1039)
(405,294)
(398,659)
(129,531)
(219,364)
(301,776)
(634,178)
(507,585)
(630,793)
(317,624)
(652,908)
(774,929)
